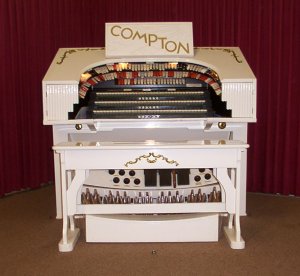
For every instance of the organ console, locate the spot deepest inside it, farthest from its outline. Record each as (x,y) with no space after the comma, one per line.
(152,144)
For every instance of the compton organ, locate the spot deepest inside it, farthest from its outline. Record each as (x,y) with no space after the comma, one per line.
(150,141)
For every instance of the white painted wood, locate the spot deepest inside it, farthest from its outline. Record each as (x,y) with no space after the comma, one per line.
(82,157)
(69,244)
(155,39)
(157,228)
(60,92)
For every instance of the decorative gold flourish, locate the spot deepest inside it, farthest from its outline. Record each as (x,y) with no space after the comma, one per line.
(72,51)
(229,51)
(151,158)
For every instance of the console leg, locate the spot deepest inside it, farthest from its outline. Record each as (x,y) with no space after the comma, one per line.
(233,230)
(70,234)
(234,238)
(70,242)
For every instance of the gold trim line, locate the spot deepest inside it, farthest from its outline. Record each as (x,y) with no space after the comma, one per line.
(151,158)
(229,51)
(72,51)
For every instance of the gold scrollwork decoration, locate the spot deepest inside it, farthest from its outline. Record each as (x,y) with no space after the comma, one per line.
(151,158)
(229,51)
(72,51)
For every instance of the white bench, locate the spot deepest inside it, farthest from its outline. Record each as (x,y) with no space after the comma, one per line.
(173,222)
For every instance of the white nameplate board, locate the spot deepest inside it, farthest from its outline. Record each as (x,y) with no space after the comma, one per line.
(171,39)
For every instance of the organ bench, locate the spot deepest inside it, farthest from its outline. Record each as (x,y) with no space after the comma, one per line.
(147,216)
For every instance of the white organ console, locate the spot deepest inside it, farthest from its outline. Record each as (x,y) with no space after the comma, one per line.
(150,149)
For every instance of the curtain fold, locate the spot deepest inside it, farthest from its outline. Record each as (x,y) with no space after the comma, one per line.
(267,31)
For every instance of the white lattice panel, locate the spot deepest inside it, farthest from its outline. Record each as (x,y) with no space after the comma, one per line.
(240,98)
(60,100)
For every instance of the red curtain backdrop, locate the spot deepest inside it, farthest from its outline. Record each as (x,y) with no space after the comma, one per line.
(267,31)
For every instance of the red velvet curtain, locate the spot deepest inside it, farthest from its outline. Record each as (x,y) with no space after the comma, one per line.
(267,31)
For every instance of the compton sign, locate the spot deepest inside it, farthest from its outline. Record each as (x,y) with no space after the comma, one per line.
(149,39)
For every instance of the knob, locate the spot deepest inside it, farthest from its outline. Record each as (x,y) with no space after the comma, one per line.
(132,173)
(78,126)
(116,180)
(121,172)
(137,181)
(202,170)
(221,125)
(126,180)
(207,176)
(197,178)
(111,172)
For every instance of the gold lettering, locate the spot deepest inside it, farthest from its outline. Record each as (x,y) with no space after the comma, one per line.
(186,49)
(137,34)
(112,30)
(169,46)
(152,38)
(130,33)
(162,41)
